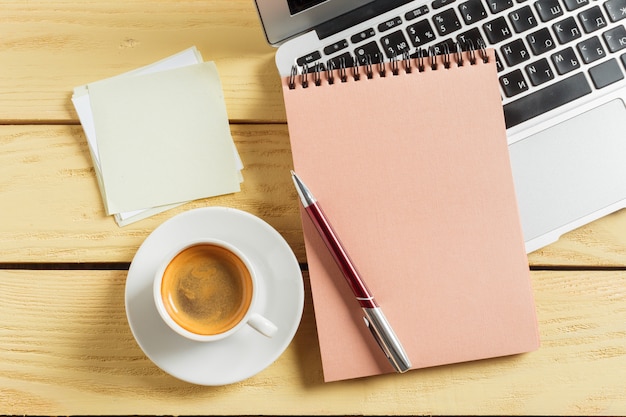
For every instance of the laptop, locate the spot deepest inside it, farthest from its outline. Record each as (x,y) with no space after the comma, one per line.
(561,69)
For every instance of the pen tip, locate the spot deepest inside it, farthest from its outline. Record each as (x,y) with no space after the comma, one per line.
(305,195)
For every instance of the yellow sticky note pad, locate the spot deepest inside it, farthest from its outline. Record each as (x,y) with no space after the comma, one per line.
(163,138)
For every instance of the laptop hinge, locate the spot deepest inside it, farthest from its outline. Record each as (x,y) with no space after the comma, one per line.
(357,16)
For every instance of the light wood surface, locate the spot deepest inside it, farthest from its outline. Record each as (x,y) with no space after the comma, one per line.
(65,344)
(50,47)
(81,358)
(66,349)
(53,212)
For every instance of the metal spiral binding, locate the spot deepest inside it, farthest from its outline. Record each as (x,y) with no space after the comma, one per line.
(419,59)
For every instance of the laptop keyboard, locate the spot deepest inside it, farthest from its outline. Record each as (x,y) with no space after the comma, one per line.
(549,52)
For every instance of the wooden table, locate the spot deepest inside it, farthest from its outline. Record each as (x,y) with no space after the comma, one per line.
(65,344)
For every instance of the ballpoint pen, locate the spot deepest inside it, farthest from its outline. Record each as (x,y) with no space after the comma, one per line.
(374,318)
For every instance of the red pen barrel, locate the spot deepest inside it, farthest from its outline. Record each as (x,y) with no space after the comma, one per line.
(360,290)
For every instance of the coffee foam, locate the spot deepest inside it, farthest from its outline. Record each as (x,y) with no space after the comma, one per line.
(206,289)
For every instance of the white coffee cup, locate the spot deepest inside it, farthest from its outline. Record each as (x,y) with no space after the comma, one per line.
(207,289)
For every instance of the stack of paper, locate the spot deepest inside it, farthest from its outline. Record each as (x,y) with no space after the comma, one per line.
(159,136)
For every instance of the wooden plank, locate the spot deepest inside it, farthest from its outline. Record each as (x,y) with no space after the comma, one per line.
(67,350)
(48,48)
(52,210)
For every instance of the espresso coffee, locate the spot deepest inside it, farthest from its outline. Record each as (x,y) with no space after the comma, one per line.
(206,289)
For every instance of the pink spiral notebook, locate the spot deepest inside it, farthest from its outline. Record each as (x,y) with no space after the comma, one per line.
(412,170)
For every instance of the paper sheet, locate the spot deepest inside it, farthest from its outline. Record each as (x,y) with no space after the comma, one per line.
(163,138)
(82,104)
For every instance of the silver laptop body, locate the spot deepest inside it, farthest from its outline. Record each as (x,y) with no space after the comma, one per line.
(561,69)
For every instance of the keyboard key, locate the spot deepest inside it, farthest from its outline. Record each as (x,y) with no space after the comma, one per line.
(444,47)
(615,38)
(539,72)
(394,44)
(420,33)
(361,36)
(565,61)
(592,19)
(367,52)
(575,4)
(318,66)
(390,24)
(446,22)
(309,59)
(546,99)
(548,9)
(472,11)
(591,50)
(344,60)
(496,6)
(513,83)
(414,14)
(437,4)
(336,47)
(497,30)
(515,52)
(606,73)
(499,66)
(540,41)
(566,30)
(623,57)
(616,9)
(471,37)
(522,19)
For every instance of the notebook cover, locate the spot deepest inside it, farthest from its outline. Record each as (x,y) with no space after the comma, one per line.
(414,174)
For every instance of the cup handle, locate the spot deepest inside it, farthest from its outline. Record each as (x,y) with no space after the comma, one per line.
(262,325)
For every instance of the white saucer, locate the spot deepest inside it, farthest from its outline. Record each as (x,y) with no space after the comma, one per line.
(242,355)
